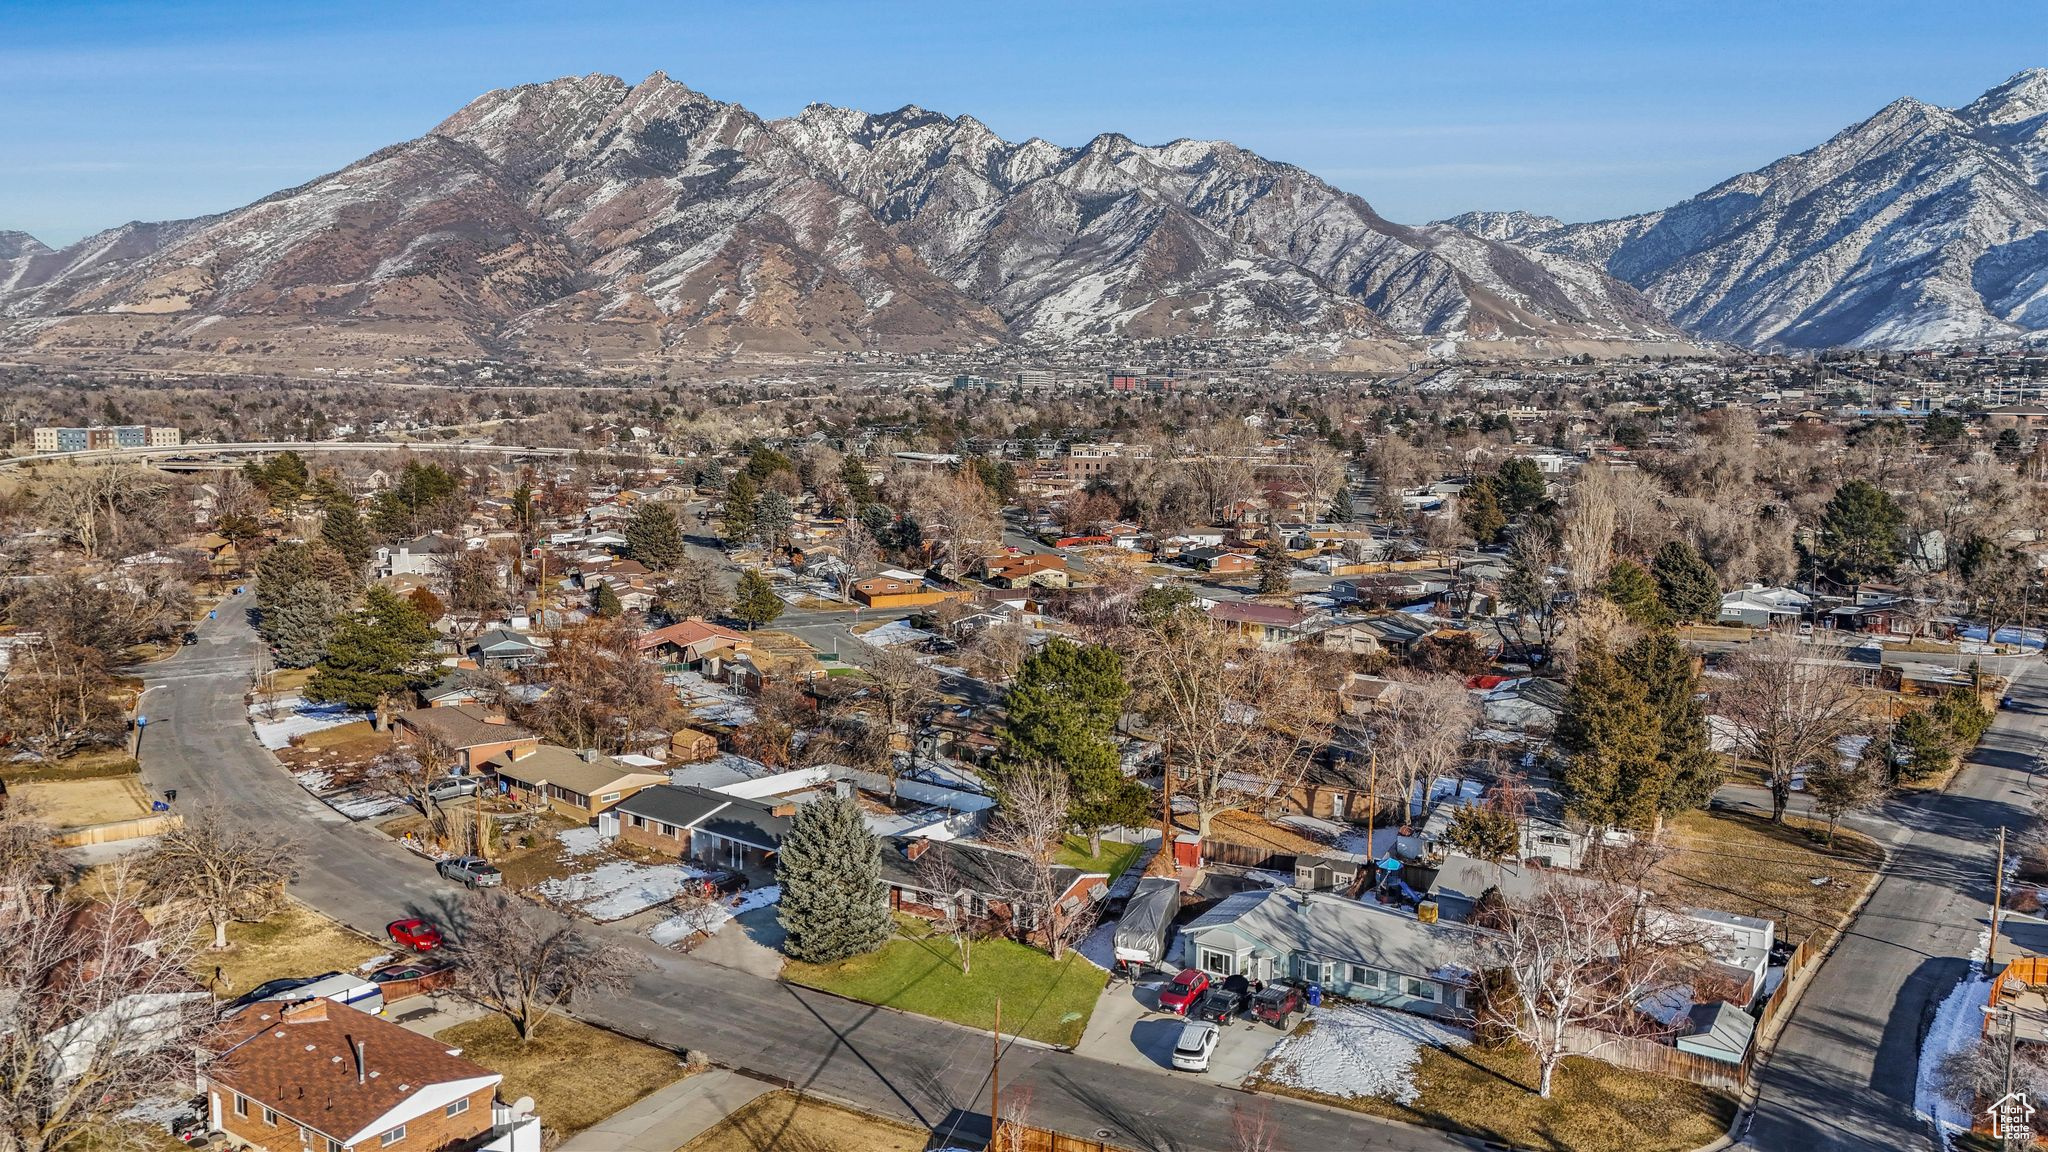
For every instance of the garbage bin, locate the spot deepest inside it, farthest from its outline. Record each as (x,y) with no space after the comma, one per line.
(1315,995)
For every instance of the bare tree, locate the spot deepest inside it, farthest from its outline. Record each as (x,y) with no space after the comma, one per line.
(958,512)
(526,962)
(1239,723)
(937,875)
(1788,712)
(58,700)
(1577,957)
(98,1013)
(1323,476)
(408,772)
(904,687)
(1253,1128)
(1419,731)
(858,549)
(222,867)
(1032,825)
(601,694)
(1589,530)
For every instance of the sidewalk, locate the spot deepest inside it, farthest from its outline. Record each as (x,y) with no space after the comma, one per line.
(672,1117)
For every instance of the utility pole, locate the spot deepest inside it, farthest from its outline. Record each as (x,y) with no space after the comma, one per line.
(1997,899)
(1372,798)
(995,1081)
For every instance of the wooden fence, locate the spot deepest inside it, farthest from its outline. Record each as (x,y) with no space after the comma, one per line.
(1014,1137)
(1237,855)
(107,833)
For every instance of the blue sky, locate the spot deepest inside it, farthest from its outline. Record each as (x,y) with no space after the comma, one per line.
(111,111)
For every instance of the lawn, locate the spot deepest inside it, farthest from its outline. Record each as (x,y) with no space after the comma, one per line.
(1593,1107)
(788,1122)
(1114,859)
(918,973)
(577,1074)
(1743,863)
(79,803)
(93,764)
(293,941)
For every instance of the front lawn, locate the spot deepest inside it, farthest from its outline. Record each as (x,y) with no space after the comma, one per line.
(577,1074)
(1743,863)
(786,1120)
(1593,1107)
(919,973)
(292,941)
(1115,857)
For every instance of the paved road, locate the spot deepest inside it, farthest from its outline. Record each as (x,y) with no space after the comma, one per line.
(199,742)
(1843,1074)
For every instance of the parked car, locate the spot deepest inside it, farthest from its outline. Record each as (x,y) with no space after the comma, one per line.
(722,882)
(1279,1005)
(1196,1045)
(453,788)
(1180,995)
(272,989)
(189,638)
(1219,1003)
(471,871)
(415,933)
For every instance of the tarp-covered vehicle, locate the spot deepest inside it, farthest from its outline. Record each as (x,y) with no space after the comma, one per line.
(1147,924)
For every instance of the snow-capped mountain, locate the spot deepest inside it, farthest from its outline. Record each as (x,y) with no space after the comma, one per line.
(589,217)
(1920,225)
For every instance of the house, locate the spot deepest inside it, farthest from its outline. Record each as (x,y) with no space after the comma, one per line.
(689,641)
(1038,570)
(421,556)
(690,746)
(504,648)
(583,785)
(901,590)
(458,686)
(703,824)
(1364,952)
(1759,607)
(1329,872)
(1219,561)
(1260,623)
(471,732)
(1524,704)
(1359,694)
(1354,639)
(316,1075)
(984,883)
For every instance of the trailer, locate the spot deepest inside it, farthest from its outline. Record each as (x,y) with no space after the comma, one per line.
(1147,924)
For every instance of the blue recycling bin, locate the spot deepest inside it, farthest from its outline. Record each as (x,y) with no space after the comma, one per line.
(212,615)
(1315,995)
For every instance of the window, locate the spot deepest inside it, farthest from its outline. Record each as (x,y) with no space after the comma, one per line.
(1220,963)
(1365,977)
(241,1104)
(270,1117)
(666,829)
(334,1145)
(636,821)
(459,1107)
(1421,989)
(608,797)
(392,1137)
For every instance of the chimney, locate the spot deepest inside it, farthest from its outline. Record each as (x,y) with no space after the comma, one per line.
(306,1012)
(496,720)
(589,755)
(916,848)
(783,810)
(362,1061)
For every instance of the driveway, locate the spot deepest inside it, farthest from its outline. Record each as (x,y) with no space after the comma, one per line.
(1130,1031)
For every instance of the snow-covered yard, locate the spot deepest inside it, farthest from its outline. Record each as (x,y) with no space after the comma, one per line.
(293,716)
(1958,1023)
(895,633)
(677,929)
(1356,1051)
(353,802)
(711,702)
(617,889)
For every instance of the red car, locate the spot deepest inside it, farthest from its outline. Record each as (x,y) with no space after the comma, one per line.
(1186,988)
(415,933)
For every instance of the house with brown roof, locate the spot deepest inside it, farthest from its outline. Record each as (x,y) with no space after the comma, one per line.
(316,1075)
(1260,623)
(472,732)
(1038,570)
(576,784)
(690,641)
(889,591)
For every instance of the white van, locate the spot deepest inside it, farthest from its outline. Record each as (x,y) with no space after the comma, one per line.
(340,987)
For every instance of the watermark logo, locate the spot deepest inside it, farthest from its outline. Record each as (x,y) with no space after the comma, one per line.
(2012,1117)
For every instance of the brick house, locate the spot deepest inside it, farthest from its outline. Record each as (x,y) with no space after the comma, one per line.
(1040,570)
(316,1076)
(983,879)
(472,732)
(581,785)
(695,823)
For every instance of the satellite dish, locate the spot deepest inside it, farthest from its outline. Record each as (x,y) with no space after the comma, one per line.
(523,1106)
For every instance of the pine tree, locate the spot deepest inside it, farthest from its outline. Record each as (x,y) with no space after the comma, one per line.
(853,476)
(1519,486)
(1613,777)
(1860,532)
(1671,689)
(1484,832)
(654,538)
(738,521)
(376,654)
(773,520)
(1687,584)
(606,603)
(341,526)
(1479,508)
(299,621)
(755,602)
(1276,567)
(1062,708)
(830,871)
(1631,588)
(1921,746)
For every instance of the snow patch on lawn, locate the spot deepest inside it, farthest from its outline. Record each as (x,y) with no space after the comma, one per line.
(1356,1051)
(1957,1024)
(895,633)
(712,703)
(677,929)
(617,889)
(1099,947)
(580,841)
(297,717)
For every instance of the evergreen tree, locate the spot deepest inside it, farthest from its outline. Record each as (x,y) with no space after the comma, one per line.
(1634,591)
(653,537)
(740,496)
(299,621)
(1276,567)
(341,526)
(1921,746)
(525,510)
(1519,486)
(1671,689)
(879,521)
(1062,708)
(773,520)
(418,497)
(1963,714)
(1613,776)
(1479,508)
(765,462)
(606,603)
(755,602)
(830,871)
(375,654)
(1860,532)
(853,476)
(2008,445)
(1484,832)
(1685,583)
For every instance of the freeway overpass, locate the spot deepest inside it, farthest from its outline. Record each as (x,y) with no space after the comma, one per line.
(197,455)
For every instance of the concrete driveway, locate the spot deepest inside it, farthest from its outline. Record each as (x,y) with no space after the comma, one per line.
(1129,1030)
